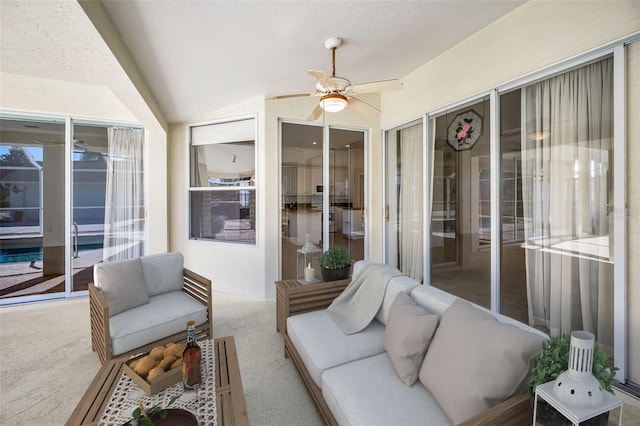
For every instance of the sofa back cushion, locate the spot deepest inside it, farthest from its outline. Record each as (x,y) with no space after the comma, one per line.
(475,361)
(432,299)
(163,272)
(122,284)
(409,331)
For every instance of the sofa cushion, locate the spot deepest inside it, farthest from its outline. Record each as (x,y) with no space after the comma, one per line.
(432,299)
(163,272)
(122,284)
(369,392)
(476,361)
(402,284)
(407,336)
(164,315)
(321,344)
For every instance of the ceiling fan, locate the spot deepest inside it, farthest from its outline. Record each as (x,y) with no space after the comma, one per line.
(338,92)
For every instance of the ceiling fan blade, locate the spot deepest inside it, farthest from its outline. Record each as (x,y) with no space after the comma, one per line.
(322,78)
(289,95)
(362,106)
(315,114)
(377,86)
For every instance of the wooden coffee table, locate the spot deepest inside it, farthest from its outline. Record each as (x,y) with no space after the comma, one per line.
(230,404)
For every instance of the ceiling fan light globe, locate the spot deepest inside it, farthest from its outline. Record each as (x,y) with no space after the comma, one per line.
(333,102)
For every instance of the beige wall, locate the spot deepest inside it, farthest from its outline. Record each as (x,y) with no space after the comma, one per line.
(233,268)
(238,268)
(32,95)
(534,36)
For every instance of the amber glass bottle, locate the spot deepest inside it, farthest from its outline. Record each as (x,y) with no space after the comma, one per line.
(191,358)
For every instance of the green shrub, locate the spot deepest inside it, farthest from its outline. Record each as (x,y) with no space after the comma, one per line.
(554,360)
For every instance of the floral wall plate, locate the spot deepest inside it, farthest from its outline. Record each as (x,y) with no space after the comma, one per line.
(464,130)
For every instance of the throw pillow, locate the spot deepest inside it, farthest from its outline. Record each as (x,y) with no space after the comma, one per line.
(476,361)
(122,284)
(407,336)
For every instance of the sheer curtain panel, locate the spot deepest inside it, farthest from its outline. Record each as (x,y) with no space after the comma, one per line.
(124,205)
(567,186)
(411,203)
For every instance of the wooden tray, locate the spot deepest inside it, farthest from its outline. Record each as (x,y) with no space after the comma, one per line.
(161,382)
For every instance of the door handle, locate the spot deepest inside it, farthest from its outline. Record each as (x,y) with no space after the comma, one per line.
(386,212)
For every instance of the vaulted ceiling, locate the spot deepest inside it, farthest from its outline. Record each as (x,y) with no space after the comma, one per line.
(200,56)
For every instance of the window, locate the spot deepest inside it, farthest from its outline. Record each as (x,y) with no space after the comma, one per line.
(222,189)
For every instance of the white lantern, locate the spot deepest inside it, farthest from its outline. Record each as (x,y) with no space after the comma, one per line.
(308,262)
(578,386)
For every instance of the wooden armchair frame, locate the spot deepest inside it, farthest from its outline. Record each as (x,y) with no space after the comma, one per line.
(515,411)
(195,285)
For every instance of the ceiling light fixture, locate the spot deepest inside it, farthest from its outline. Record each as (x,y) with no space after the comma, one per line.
(333,102)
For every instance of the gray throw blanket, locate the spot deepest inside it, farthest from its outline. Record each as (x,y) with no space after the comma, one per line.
(358,304)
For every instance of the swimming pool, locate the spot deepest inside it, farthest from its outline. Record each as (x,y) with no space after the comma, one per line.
(28,254)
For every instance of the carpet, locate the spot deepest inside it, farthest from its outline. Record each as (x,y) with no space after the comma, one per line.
(47,363)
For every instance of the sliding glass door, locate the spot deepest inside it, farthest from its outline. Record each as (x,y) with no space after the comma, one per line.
(461,215)
(53,199)
(322,193)
(32,208)
(404,205)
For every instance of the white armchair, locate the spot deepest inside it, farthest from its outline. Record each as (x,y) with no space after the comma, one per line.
(139,303)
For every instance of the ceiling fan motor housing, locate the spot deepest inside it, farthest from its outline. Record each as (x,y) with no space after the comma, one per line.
(340,85)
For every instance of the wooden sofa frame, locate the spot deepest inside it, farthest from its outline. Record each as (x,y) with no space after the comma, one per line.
(195,285)
(515,411)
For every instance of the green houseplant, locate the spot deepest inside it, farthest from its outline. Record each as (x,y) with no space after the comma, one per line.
(335,264)
(554,360)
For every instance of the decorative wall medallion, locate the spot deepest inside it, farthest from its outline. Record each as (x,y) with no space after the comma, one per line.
(464,130)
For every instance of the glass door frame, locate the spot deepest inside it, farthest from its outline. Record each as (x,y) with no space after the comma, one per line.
(325,180)
(69,123)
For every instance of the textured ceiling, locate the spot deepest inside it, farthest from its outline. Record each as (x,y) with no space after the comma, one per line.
(200,56)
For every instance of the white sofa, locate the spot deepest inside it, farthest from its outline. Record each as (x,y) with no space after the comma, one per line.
(138,303)
(476,364)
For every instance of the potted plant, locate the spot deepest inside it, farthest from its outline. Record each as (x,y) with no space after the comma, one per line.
(335,264)
(554,360)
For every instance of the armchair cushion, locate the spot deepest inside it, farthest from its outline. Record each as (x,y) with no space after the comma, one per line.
(163,272)
(491,361)
(407,336)
(122,284)
(166,314)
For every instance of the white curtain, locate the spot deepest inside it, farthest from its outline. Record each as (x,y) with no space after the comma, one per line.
(411,206)
(124,204)
(567,185)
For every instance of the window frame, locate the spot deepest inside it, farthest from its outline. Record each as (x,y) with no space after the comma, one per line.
(191,189)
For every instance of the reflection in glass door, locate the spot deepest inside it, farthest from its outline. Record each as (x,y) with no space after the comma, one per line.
(461,215)
(32,221)
(301,203)
(89,163)
(347,191)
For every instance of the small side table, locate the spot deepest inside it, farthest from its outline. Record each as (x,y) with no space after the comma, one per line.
(575,414)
